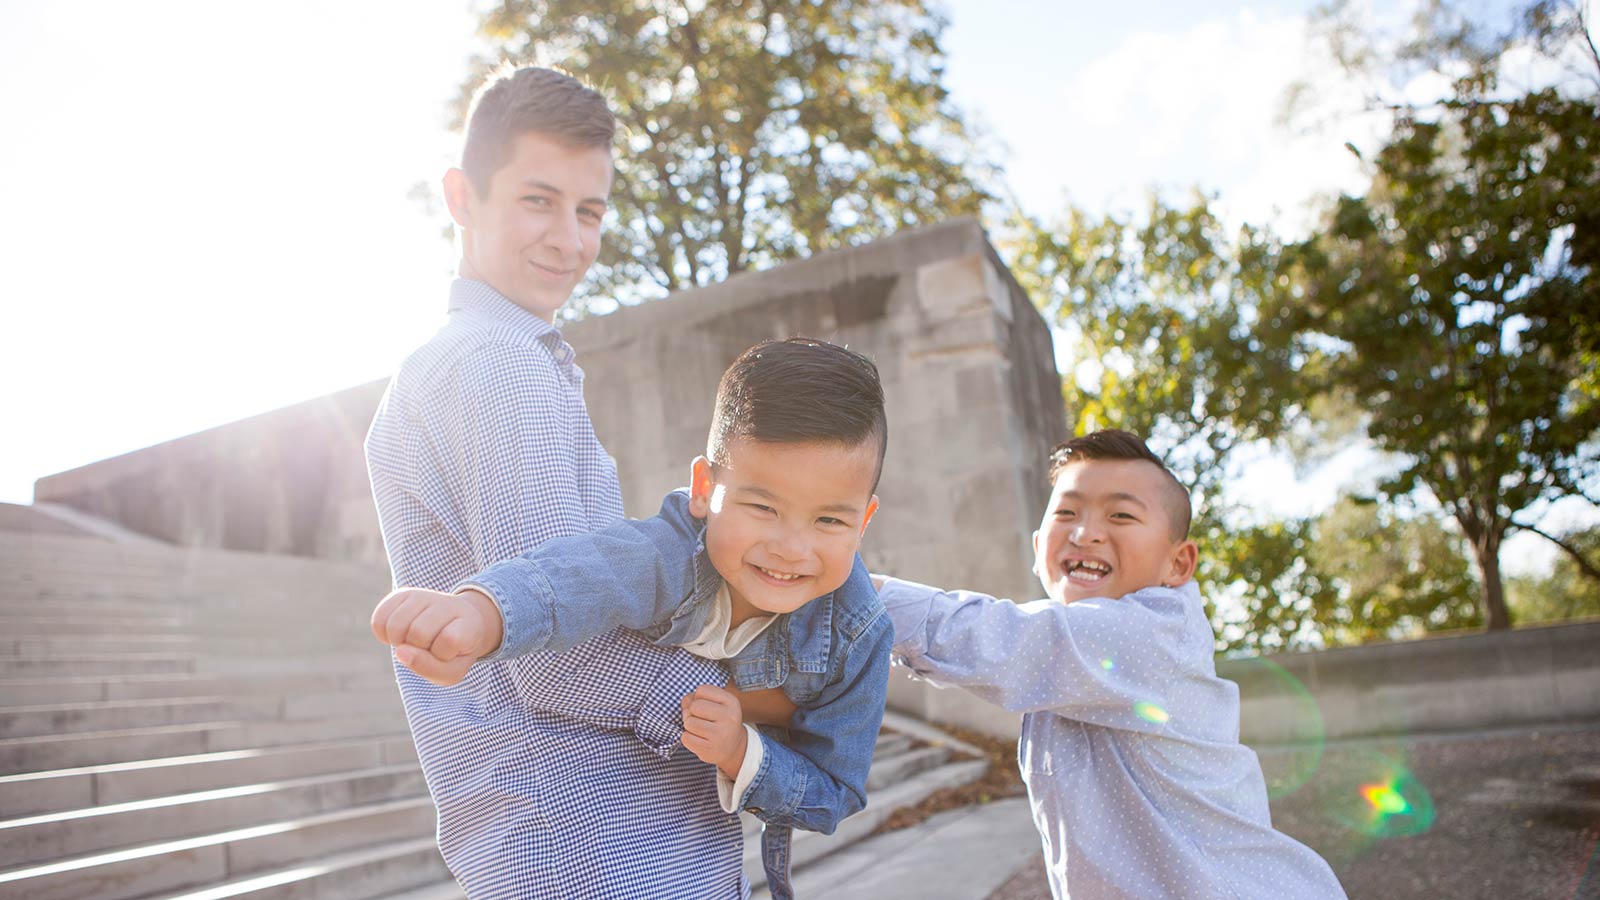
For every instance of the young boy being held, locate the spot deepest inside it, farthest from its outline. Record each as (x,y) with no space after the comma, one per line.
(755,564)
(1130,742)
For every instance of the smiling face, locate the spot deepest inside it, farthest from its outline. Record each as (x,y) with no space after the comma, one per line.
(1107,532)
(784,520)
(534,230)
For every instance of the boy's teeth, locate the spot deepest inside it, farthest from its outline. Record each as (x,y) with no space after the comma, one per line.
(779,575)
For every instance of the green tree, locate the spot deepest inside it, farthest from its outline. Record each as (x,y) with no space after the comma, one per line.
(757,131)
(1162,316)
(1445,299)
(1395,575)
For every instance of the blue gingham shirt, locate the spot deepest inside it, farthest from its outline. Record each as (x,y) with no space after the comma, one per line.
(553,773)
(1130,742)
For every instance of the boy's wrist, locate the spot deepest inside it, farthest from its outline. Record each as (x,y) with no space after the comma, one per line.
(733,761)
(488,611)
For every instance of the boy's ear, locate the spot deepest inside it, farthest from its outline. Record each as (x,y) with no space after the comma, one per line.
(458,197)
(700,486)
(1184,560)
(872,508)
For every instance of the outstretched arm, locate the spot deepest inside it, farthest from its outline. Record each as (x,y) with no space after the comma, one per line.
(631,574)
(1110,662)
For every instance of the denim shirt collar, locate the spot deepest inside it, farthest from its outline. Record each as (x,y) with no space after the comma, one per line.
(802,638)
(479,298)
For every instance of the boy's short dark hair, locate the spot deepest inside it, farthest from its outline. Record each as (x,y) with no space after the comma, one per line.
(512,102)
(799,390)
(1112,443)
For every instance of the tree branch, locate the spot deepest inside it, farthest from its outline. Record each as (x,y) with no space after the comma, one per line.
(1584,566)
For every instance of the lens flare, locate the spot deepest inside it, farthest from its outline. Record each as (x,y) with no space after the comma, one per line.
(1383,799)
(1107,664)
(1279,719)
(1150,712)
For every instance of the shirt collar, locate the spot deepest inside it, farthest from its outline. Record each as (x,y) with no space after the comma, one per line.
(467,295)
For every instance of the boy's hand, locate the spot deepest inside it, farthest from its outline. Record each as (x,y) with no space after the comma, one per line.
(713,728)
(439,636)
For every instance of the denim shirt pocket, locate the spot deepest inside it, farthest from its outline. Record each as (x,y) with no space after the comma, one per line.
(764,663)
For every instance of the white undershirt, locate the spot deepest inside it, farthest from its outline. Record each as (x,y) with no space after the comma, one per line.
(718,641)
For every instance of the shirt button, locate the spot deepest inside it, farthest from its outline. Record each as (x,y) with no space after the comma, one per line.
(753,810)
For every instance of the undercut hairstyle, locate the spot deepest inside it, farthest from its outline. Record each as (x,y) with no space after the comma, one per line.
(512,102)
(1111,443)
(797,391)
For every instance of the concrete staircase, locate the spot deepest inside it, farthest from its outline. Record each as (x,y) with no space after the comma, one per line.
(208,724)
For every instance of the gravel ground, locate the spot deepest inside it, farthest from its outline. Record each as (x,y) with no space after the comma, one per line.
(1514,816)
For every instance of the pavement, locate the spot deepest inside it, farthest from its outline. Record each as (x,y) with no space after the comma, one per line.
(1499,815)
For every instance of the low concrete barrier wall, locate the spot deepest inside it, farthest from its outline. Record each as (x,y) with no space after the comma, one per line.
(1541,675)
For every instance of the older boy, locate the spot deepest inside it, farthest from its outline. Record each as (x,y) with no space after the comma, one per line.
(1130,742)
(756,563)
(482,449)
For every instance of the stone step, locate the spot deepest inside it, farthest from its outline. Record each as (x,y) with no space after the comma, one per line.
(59,790)
(444,890)
(37,754)
(82,832)
(71,664)
(63,719)
(89,688)
(330,638)
(809,846)
(64,624)
(895,757)
(369,872)
(896,767)
(226,856)
(958,854)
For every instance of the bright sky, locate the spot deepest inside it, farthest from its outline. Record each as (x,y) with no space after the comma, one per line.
(206,210)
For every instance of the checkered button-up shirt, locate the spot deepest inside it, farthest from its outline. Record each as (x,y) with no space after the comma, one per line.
(553,773)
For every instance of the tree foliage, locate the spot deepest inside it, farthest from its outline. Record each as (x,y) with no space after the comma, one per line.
(1447,297)
(1162,315)
(757,130)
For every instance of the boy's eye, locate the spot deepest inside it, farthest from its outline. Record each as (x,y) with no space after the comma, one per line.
(830,520)
(759,507)
(536,200)
(1063,513)
(1123,515)
(591,214)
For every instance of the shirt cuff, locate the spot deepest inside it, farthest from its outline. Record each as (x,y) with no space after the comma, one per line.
(523,597)
(907,604)
(731,791)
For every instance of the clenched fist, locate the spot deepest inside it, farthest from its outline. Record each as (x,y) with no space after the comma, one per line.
(439,636)
(713,728)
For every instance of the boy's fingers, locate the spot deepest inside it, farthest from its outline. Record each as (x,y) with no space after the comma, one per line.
(441,672)
(408,605)
(384,611)
(458,638)
(431,621)
(714,694)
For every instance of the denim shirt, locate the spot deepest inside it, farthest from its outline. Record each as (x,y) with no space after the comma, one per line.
(830,656)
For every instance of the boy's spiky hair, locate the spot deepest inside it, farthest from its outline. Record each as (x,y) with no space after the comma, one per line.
(1112,443)
(799,390)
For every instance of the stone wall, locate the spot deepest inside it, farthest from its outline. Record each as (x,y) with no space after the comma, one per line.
(973,401)
(1537,676)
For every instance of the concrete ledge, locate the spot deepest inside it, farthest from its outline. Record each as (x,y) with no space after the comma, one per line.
(1546,674)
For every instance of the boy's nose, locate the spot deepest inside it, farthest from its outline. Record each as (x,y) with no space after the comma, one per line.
(786,544)
(565,235)
(1083,533)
